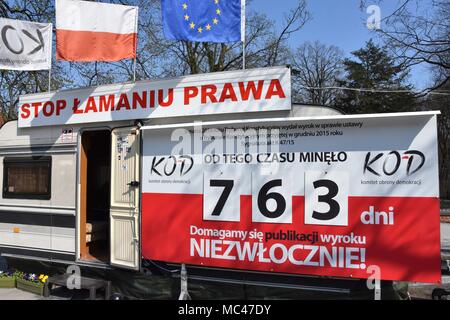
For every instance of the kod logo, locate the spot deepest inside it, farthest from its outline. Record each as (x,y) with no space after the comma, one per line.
(13,40)
(388,164)
(168,166)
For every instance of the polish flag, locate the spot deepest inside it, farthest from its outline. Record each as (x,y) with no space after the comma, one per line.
(94,31)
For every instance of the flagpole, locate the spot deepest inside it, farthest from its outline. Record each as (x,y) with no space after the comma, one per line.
(50,79)
(243,32)
(134,69)
(243,55)
(135,44)
(51,56)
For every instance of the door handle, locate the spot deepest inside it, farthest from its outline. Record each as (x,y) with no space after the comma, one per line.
(133,184)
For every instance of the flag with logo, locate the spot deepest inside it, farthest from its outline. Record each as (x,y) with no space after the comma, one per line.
(95,31)
(25,45)
(203,21)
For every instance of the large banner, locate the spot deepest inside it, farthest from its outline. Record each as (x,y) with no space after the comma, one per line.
(25,45)
(339,196)
(265,89)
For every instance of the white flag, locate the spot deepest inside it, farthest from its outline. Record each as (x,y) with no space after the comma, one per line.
(25,45)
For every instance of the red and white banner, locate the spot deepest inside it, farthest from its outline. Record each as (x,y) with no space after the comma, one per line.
(338,196)
(265,89)
(94,31)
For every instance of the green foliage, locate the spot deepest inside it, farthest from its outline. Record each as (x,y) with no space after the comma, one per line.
(7,274)
(373,68)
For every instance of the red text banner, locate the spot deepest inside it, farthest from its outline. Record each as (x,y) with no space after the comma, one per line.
(266,89)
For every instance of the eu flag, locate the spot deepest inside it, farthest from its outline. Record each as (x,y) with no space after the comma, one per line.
(202,20)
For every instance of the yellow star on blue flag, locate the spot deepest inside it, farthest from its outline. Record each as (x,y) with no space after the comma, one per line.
(202,21)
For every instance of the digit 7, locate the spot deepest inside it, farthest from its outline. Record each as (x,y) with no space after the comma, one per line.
(227,186)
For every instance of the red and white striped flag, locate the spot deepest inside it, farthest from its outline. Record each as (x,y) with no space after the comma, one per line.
(93,31)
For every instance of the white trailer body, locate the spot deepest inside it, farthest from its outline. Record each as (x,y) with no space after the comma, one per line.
(48,227)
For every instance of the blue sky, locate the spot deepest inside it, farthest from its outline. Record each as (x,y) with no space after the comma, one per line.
(338,22)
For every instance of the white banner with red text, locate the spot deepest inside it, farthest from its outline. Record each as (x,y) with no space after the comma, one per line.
(266,89)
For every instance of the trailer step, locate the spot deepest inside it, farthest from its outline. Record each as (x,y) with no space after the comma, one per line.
(90,284)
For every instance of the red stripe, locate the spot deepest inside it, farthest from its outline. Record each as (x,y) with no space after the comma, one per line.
(408,250)
(94,46)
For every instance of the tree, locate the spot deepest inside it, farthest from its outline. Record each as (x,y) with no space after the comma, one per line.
(418,32)
(316,65)
(157,57)
(374,69)
(441,102)
(264,46)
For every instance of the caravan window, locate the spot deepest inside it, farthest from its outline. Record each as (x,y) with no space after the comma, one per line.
(27,178)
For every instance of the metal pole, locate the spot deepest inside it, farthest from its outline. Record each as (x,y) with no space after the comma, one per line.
(50,79)
(184,294)
(134,69)
(243,32)
(51,52)
(136,27)
(243,55)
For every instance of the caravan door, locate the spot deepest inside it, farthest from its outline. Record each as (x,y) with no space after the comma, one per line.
(125,191)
